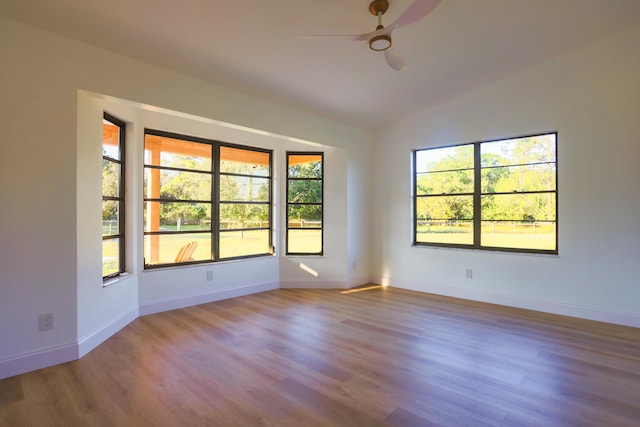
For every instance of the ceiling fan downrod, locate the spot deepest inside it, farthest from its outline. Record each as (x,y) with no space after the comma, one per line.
(383,41)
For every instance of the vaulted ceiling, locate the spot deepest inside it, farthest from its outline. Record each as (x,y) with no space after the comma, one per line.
(255,45)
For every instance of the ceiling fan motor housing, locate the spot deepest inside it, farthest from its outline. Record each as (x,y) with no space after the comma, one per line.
(380,43)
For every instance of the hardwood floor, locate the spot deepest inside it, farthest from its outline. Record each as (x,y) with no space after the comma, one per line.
(381,356)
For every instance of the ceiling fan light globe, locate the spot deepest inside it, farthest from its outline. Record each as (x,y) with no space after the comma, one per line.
(380,43)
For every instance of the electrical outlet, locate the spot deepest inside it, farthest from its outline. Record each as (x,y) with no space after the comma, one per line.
(469,273)
(209,275)
(45,321)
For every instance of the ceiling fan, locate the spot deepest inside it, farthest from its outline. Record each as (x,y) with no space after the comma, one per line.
(380,39)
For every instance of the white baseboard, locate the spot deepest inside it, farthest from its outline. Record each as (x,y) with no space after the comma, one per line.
(97,337)
(168,304)
(37,360)
(553,307)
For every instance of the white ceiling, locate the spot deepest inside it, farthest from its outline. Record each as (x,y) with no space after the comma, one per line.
(254,45)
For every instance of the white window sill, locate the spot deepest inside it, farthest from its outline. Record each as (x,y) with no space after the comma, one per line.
(112,281)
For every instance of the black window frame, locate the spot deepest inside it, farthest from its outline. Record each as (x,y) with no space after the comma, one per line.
(477,194)
(121,198)
(321,204)
(215,201)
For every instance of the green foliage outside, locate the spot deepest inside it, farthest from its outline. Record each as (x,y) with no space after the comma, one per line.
(178,186)
(305,186)
(184,186)
(521,165)
(243,189)
(110,184)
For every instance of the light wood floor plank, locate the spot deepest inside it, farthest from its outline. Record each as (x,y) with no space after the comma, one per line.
(378,357)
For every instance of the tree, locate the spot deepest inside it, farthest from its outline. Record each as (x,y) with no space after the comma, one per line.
(305,191)
(110,185)
(184,186)
(447,180)
(510,167)
(524,165)
(241,190)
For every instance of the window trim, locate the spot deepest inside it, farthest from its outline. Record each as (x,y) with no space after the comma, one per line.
(215,173)
(321,179)
(121,198)
(477,199)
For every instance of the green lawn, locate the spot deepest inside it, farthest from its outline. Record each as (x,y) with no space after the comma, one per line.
(232,244)
(496,235)
(237,243)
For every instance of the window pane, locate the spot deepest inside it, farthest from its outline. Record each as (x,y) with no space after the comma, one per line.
(304,216)
(110,178)
(305,166)
(244,188)
(518,151)
(536,177)
(177,216)
(455,232)
(110,217)
(174,248)
(444,159)
(519,207)
(519,234)
(303,241)
(110,257)
(445,219)
(110,140)
(176,185)
(247,162)
(454,182)
(244,243)
(444,207)
(305,191)
(240,215)
(176,153)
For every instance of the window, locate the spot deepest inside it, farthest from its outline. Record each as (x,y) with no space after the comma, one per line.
(204,200)
(113,136)
(496,195)
(304,203)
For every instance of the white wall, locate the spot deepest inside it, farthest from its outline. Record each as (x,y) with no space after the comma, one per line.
(330,269)
(591,96)
(359,208)
(49,173)
(101,311)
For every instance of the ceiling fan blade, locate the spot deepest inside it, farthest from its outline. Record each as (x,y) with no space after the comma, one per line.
(394,59)
(418,10)
(356,37)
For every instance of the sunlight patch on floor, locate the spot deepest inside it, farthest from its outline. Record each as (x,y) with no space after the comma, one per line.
(366,288)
